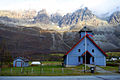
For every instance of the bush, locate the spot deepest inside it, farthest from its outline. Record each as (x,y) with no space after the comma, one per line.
(112,64)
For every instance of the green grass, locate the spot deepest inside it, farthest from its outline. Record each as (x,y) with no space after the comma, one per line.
(52,62)
(48,70)
(57,55)
(110,68)
(113,54)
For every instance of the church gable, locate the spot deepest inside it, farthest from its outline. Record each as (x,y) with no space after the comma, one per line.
(94,54)
(77,49)
(92,47)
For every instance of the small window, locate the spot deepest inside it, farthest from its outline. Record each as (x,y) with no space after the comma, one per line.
(84,44)
(78,58)
(88,44)
(78,50)
(93,50)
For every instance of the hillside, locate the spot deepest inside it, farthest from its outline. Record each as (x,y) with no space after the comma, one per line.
(44,33)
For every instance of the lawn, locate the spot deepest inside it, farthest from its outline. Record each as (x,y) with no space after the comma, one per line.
(113,65)
(110,68)
(51,62)
(44,70)
(57,55)
(113,54)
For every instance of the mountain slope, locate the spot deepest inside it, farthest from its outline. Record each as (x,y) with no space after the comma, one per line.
(42,17)
(55,18)
(115,18)
(29,14)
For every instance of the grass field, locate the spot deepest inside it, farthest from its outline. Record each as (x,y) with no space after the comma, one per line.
(52,62)
(53,68)
(113,54)
(57,55)
(44,70)
(111,68)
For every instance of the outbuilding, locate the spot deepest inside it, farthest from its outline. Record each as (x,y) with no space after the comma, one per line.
(20,62)
(85,51)
(35,63)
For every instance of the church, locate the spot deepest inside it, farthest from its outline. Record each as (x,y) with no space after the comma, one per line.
(85,51)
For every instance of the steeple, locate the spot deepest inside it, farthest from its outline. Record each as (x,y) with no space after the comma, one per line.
(85,29)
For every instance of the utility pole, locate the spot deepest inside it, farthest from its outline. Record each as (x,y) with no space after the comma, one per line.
(85,49)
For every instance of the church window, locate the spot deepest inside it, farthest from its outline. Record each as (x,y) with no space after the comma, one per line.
(93,50)
(79,50)
(78,58)
(92,59)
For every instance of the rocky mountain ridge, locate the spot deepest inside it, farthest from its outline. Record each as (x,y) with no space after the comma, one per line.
(74,20)
(115,18)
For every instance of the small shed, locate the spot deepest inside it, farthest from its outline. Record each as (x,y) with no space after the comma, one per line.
(20,62)
(35,63)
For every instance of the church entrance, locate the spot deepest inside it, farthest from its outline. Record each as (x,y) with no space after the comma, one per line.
(87,58)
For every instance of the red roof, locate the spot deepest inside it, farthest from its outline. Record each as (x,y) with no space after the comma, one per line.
(91,41)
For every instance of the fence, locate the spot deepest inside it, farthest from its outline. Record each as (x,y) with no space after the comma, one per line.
(41,70)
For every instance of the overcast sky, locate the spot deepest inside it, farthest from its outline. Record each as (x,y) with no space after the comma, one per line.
(62,6)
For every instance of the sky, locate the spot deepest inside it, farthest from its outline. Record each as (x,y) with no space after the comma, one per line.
(62,6)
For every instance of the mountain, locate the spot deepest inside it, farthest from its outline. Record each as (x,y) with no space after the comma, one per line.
(115,18)
(70,21)
(42,17)
(21,14)
(5,18)
(44,33)
(80,18)
(77,16)
(55,18)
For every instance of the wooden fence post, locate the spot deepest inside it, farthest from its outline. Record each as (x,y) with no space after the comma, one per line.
(52,70)
(62,70)
(11,70)
(32,70)
(83,69)
(119,69)
(21,70)
(42,70)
